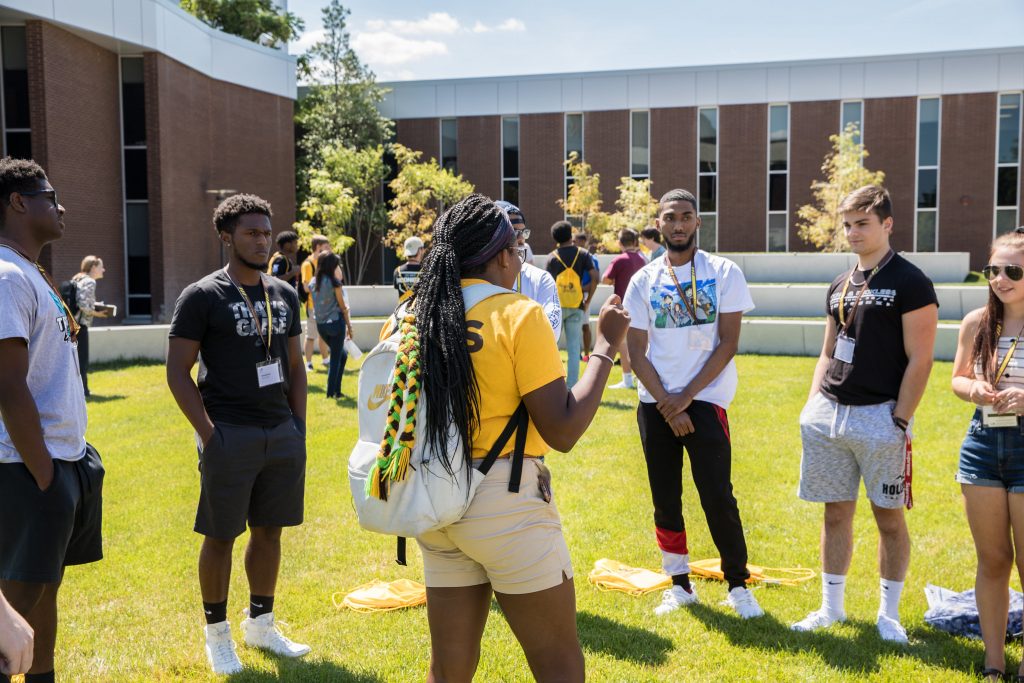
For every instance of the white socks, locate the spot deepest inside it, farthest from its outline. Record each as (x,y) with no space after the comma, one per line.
(833,593)
(889,604)
(627,379)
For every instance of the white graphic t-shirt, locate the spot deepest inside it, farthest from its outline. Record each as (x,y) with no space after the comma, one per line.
(537,284)
(30,310)
(679,345)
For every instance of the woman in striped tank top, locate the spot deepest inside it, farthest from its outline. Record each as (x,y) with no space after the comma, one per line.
(989,372)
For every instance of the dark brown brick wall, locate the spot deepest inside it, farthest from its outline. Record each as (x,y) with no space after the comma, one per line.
(542,175)
(479,152)
(423,135)
(967,175)
(742,177)
(890,136)
(73,86)
(673,150)
(810,125)
(606,149)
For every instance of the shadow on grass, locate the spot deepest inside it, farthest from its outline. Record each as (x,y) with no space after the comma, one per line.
(628,643)
(124,364)
(860,653)
(304,670)
(96,398)
(618,405)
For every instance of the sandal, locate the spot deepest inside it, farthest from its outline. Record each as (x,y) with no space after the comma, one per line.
(992,671)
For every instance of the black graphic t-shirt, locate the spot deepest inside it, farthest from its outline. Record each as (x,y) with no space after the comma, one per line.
(281,264)
(879,358)
(213,313)
(405,277)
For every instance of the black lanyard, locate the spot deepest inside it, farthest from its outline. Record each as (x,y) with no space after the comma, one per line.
(844,323)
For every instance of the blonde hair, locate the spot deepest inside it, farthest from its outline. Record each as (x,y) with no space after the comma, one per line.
(88,263)
(986,341)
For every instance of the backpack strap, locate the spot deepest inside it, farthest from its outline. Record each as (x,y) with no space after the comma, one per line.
(519,422)
(400,551)
(474,294)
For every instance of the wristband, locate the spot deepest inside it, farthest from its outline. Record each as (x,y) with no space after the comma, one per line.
(601,355)
(900,422)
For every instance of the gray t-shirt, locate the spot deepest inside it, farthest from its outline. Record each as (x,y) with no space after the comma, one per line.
(325,301)
(30,310)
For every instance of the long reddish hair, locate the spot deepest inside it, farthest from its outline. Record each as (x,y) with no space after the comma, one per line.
(986,342)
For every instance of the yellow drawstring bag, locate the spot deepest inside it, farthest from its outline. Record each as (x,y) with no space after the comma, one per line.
(773,576)
(610,575)
(383,596)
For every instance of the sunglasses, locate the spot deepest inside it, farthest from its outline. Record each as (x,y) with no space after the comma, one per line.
(47,194)
(524,233)
(1013,272)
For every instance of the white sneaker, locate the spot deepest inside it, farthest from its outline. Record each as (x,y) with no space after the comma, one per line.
(309,365)
(743,601)
(622,385)
(674,598)
(326,361)
(220,649)
(817,620)
(261,632)
(891,630)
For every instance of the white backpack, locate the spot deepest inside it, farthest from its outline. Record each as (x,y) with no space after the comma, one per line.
(425,497)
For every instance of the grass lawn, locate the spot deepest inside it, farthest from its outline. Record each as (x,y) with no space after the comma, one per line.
(137,616)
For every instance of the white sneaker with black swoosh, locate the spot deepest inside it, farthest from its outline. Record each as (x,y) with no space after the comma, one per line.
(220,649)
(263,633)
(817,620)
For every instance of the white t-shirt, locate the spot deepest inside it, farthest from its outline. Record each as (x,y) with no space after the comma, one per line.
(537,284)
(677,348)
(30,310)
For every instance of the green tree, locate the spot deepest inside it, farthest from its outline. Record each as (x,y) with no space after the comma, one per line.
(637,209)
(423,190)
(344,202)
(820,223)
(582,204)
(256,20)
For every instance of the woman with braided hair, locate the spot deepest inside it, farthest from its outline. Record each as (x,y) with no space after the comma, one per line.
(476,367)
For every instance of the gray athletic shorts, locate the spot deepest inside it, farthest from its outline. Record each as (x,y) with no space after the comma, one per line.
(254,475)
(311,331)
(842,444)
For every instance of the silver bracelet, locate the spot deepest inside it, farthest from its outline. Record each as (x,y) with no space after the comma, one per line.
(601,355)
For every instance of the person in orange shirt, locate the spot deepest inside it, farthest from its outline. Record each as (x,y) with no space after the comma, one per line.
(319,244)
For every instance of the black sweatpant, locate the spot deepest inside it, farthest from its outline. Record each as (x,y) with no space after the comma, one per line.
(83,356)
(710,452)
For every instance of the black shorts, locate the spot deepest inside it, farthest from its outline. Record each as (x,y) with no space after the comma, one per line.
(41,532)
(251,474)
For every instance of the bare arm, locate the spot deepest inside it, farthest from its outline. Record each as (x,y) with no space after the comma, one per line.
(19,412)
(297,378)
(919,344)
(562,416)
(16,638)
(636,342)
(339,296)
(965,385)
(181,356)
(828,347)
(728,345)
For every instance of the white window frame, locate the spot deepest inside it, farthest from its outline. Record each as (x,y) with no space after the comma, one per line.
(1017,164)
(3,103)
(440,141)
(629,167)
(519,160)
(768,179)
(918,167)
(565,151)
(713,214)
(128,296)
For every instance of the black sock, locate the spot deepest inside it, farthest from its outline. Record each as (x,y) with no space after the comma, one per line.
(682,580)
(47,677)
(737,583)
(260,605)
(216,612)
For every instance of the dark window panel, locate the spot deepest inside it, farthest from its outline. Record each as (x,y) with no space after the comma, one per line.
(133,113)
(574,135)
(510,191)
(777,232)
(19,145)
(707,236)
(1009,129)
(926,234)
(777,192)
(449,145)
(927,188)
(928,133)
(708,198)
(16,107)
(135,175)
(141,306)
(640,144)
(708,134)
(1006,220)
(510,145)
(1006,186)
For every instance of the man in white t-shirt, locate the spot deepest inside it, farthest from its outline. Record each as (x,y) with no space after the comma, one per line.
(685,310)
(533,282)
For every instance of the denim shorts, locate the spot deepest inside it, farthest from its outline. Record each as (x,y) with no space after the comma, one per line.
(992,456)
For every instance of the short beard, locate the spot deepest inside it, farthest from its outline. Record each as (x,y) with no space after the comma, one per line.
(679,248)
(249,264)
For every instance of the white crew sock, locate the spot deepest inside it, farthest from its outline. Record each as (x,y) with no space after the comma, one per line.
(627,379)
(890,598)
(833,594)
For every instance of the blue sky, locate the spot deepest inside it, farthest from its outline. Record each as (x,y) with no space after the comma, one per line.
(405,39)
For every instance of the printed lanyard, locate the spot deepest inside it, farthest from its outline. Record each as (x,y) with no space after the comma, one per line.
(252,311)
(1009,353)
(843,323)
(691,308)
(73,325)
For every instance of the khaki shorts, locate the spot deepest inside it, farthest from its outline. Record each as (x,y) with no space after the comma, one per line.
(311,334)
(511,540)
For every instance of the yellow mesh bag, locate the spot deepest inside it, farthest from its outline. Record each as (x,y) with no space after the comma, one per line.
(610,575)
(772,576)
(383,596)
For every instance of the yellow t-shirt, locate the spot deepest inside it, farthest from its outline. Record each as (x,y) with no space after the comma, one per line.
(308,267)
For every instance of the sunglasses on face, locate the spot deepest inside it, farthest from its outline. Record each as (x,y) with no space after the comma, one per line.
(1013,272)
(46,194)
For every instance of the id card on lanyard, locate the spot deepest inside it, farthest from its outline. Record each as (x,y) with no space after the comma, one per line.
(845,344)
(989,417)
(701,337)
(268,372)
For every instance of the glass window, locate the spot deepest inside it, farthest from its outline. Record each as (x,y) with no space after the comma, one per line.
(135,175)
(449,145)
(19,145)
(133,101)
(708,198)
(708,132)
(1006,186)
(137,248)
(1006,220)
(640,144)
(926,231)
(778,127)
(853,112)
(777,232)
(510,191)
(510,147)
(928,132)
(777,192)
(1009,129)
(15,76)
(574,135)
(707,236)
(927,188)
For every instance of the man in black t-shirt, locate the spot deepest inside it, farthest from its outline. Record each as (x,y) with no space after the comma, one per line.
(574,296)
(248,411)
(406,275)
(284,263)
(871,375)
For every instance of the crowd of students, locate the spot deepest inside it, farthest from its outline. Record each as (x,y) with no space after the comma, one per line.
(675,318)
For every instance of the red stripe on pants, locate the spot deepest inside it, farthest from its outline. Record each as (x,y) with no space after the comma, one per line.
(672,541)
(724,420)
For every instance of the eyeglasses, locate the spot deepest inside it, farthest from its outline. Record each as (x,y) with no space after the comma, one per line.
(524,233)
(1014,272)
(52,195)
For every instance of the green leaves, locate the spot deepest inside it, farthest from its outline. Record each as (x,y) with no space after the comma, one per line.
(256,20)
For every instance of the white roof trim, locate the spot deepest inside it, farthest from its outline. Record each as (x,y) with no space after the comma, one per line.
(938,73)
(160,25)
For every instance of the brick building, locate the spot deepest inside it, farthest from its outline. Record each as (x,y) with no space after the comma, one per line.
(748,140)
(142,116)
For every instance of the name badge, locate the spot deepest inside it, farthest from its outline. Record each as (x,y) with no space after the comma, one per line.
(990,418)
(702,337)
(844,348)
(269,373)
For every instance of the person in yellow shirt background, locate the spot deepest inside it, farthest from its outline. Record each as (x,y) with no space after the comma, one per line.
(318,245)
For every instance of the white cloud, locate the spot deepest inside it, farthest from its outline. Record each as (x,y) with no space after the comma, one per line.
(510,24)
(436,23)
(306,41)
(386,48)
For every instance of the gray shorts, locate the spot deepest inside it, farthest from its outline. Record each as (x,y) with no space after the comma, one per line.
(311,331)
(251,474)
(842,444)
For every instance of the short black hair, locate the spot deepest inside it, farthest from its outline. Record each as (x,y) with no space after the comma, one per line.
(227,213)
(627,236)
(677,195)
(561,231)
(651,234)
(285,237)
(18,175)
